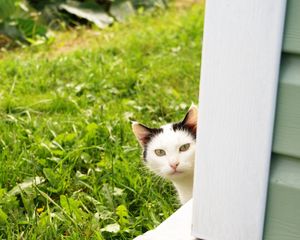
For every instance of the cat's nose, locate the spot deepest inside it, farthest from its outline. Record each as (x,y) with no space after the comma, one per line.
(174,165)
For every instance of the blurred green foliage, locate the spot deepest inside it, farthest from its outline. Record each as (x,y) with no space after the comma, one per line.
(19,21)
(28,21)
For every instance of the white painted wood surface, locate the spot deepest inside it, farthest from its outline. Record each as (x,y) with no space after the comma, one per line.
(176,227)
(239,77)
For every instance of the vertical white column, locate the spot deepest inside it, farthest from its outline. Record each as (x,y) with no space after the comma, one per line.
(239,76)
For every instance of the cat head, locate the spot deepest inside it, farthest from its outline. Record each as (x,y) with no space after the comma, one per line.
(169,151)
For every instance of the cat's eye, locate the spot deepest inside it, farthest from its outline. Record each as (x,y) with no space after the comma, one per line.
(160,152)
(184,147)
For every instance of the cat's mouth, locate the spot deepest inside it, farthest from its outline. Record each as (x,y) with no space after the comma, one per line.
(176,172)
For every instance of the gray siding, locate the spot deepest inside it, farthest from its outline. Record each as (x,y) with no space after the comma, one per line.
(283,206)
(291,40)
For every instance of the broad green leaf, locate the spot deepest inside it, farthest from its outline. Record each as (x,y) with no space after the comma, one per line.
(92,128)
(122,213)
(2,193)
(64,203)
(3,216)
(26,185)
(65,138)
(70,137)
(90,11)
(52,177)
(72,207)
(30,28)
(27,200)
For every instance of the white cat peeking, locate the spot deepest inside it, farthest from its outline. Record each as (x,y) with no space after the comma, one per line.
(169,151)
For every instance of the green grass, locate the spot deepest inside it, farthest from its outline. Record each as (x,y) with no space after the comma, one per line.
(65,128)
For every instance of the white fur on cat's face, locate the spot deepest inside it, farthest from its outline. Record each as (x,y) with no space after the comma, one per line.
(170,141)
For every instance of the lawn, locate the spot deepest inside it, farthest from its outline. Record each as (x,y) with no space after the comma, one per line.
(70,167)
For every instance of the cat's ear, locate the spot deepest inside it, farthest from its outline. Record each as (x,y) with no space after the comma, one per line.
(142,133)
(190,119)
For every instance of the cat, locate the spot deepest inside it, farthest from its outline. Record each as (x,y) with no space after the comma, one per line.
(169,151)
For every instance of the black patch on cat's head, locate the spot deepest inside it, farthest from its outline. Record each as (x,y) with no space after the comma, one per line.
(180,126)
(188,123)
(145,153)
(152,133)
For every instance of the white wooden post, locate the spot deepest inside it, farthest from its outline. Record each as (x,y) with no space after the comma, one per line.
(239,75)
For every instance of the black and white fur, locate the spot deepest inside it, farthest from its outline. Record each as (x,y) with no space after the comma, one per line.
(169,151)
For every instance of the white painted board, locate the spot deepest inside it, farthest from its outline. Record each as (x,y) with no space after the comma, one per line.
(239,77)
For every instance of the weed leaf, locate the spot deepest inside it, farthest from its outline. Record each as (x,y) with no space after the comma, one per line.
(28,184)
(122,213)
(3,217)
(52,177)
